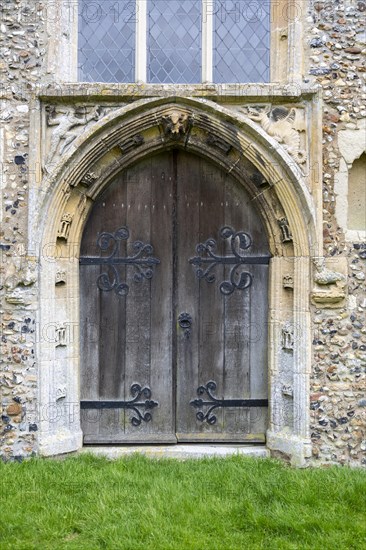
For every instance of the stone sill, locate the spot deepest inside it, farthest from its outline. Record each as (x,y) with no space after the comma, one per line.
(180,452)
(219,92)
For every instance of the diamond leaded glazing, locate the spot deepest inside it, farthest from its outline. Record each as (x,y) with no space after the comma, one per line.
(174,41)
(241,41)
(106,40)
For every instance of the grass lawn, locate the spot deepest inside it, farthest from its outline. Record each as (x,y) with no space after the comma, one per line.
(137,503)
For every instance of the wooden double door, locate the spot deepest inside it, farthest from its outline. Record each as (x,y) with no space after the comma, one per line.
(173,301)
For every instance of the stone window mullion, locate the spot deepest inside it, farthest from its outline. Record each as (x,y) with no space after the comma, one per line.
(141,41)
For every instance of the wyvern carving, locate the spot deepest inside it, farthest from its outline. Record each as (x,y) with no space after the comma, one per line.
(176,124)
(281,124)
(68,122)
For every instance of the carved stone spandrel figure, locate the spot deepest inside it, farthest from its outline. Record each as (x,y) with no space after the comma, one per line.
(281,124)
(67,122)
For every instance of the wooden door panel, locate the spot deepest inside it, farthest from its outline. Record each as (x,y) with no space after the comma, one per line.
(219,356)
(133,329)
(141,360)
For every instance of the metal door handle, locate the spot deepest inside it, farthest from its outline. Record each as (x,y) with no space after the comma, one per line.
(185,322)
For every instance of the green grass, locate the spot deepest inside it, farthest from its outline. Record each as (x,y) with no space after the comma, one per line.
(138,503)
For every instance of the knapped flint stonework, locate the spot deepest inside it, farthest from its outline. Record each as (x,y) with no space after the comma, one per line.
(336,58)
(335,47)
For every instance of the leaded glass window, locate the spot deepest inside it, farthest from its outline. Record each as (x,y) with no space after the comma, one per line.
(174,41)
(106,41)
(241,41)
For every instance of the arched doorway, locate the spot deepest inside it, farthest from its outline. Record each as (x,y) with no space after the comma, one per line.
(62,203)
(174,306)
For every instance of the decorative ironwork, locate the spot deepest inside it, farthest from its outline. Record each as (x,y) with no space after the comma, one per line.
(238,241)
(137,392)
(185,322)
(142,261)
(214,403)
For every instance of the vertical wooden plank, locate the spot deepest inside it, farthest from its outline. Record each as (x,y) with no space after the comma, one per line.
(162,330)
(138,306)
(106,216)
(237,314)
(212,301)
(187,292)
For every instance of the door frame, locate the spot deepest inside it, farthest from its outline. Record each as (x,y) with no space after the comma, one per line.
(60,202)
(190,357)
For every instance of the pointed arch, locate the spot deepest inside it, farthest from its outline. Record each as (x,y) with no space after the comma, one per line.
(274,183)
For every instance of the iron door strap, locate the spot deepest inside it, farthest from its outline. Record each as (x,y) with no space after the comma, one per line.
(212,402)
(142,260)
(135,404)
(208,259)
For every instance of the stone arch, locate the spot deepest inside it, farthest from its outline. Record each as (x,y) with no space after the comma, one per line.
(272,179)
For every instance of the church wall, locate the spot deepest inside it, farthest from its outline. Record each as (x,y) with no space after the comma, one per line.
(335,47)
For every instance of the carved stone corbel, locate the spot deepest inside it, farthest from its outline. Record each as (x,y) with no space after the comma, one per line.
(176,124)
(287,390)
(131,143)
(219,143)
(88,179)
(329,289)
(288,282)
(61,393)
(287,336)
(285,230)
(60,335)
(60,277)
(64,230)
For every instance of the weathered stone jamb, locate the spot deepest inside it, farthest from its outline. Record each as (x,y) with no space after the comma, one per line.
(49,200)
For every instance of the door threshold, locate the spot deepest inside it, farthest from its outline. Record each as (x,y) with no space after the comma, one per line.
(181,452)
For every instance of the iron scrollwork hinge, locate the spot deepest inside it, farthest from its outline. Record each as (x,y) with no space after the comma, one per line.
(142,260)
(239,241)
(134,404)
(214,403)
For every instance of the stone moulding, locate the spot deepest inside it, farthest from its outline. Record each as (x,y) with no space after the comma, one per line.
(253,151)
